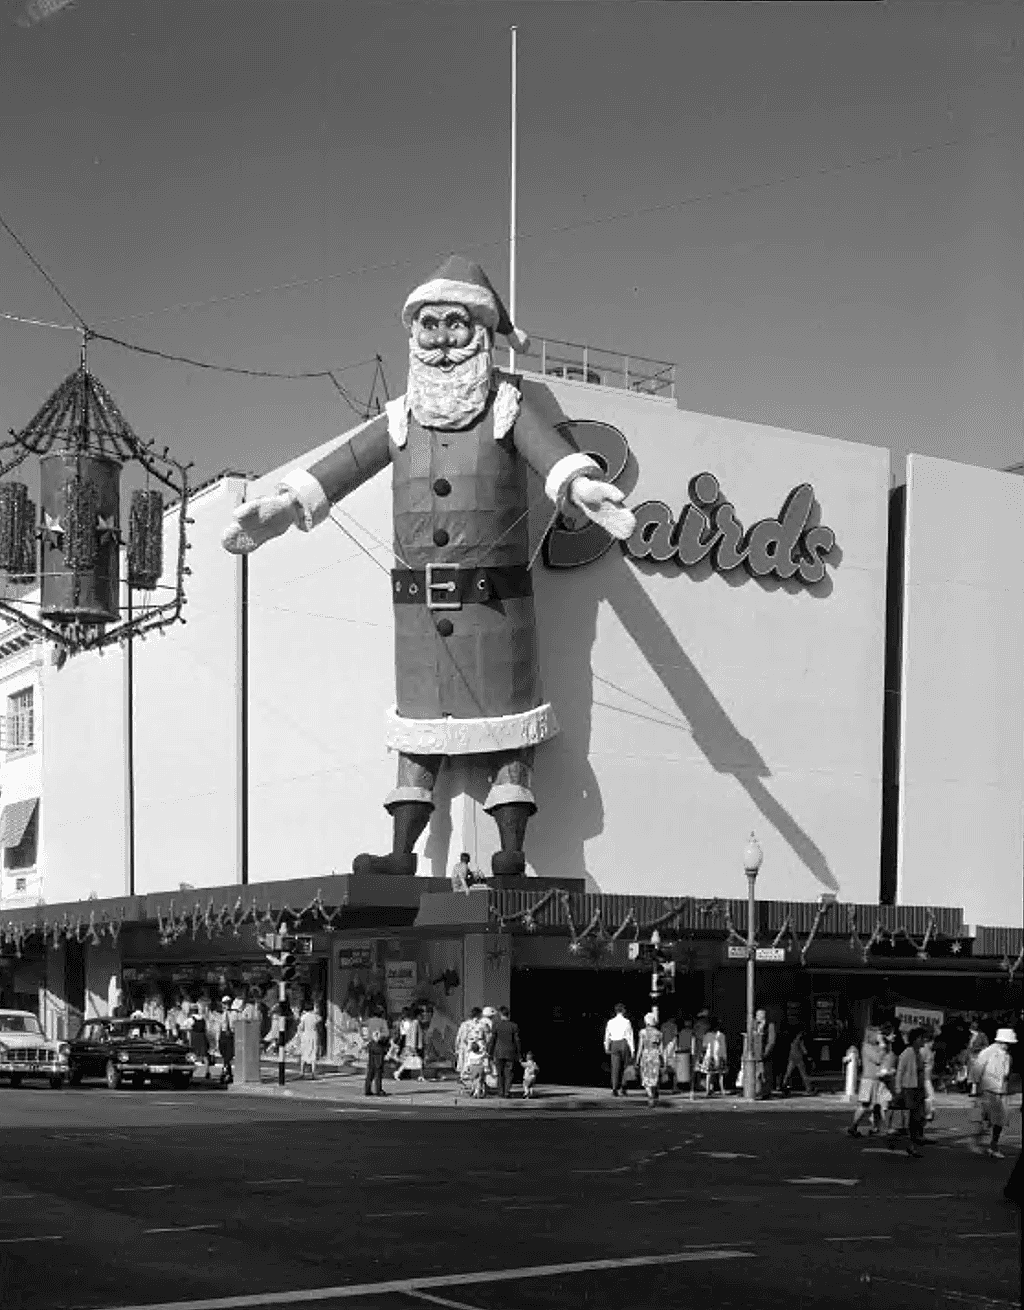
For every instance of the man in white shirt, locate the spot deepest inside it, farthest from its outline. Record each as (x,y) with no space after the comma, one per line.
(991,1072)
(618,1043)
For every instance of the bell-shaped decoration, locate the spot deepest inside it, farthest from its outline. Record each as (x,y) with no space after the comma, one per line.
(17,531)
(145,539)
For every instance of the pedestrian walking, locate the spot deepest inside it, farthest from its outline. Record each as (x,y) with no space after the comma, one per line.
(649,1057)
(476,1069)
(714,1063)
(505,1052)
(619,1044)
(762,1051)
(976,1043)
(669,1046)
(375,1051)
(487,1019)
(991,1073)
(868,1086)
(198,1037)
(684,1054)
(469,1030)
(797,1063)
(530,1072)
(886,1081)
(309,1039)
(850,1068)
(908,1095)
(410,1046)
(928,1072)
(226,1040)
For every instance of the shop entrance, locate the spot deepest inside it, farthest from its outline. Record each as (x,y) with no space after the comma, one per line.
(561,1015)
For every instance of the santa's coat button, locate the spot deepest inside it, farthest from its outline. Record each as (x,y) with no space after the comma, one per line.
(440,537)
(442,487)
(445,627)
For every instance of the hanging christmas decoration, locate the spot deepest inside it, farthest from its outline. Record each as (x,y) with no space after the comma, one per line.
(77,554)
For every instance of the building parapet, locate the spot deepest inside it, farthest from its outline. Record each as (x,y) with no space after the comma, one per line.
(598,367)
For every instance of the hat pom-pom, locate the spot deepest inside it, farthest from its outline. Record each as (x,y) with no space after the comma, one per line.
(518,340)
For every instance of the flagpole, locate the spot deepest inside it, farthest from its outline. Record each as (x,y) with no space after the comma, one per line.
(512,211)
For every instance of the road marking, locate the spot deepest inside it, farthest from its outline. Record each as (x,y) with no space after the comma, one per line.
(152,1187)
(18,1196)
(622,1169)
(539,1205)
(397,1214)
(440,1300)
(6,1241)
(396,1178)
(964,1235)
(350,1291)
(265,1182)
(740,1155)
(186,1228)
(925,1196)
(862,1237)
(842,1182)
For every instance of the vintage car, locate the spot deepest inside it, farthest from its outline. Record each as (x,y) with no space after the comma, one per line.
(25,1052)
(128,1050)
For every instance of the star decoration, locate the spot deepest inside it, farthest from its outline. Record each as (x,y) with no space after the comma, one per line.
(107,529)
(956,947)
(53,531)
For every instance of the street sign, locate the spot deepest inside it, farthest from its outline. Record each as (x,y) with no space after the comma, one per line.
(770,954)
(737,952)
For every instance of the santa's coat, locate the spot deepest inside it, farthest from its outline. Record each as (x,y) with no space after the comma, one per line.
(460,498)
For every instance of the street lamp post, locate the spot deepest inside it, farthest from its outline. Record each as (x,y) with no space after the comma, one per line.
(752,858)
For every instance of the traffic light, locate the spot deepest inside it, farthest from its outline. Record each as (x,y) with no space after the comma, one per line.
(668,975)
(287,968)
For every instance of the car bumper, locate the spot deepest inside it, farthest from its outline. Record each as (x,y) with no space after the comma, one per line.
(158,1070)
(41,1068)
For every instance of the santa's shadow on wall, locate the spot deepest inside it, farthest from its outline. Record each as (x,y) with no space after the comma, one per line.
(571,806)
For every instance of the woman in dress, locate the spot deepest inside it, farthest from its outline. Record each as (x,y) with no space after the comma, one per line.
(309,1039)
(410,1046)
(714,1058)
(649,1057)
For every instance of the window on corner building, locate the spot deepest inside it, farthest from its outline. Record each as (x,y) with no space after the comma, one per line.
(21,884)
(20,721)
(23,856)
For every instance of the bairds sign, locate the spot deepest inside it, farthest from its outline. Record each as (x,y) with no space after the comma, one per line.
(790,546)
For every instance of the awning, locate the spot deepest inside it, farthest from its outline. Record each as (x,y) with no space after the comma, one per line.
(15,819)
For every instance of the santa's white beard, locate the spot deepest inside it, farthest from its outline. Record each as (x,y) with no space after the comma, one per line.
(450,398)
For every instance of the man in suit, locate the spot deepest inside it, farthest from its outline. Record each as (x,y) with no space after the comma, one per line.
(460,443)
(505,1050)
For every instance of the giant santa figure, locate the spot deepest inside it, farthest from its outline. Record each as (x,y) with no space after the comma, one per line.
(459,442)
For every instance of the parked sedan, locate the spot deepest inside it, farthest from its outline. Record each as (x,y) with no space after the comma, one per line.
(25,1052)
(128,1049)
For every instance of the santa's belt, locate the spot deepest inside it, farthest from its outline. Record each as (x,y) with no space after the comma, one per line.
(450,586)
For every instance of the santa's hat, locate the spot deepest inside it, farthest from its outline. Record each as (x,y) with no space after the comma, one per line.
(461,282)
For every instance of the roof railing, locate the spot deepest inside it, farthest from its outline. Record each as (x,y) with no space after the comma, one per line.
(599,367)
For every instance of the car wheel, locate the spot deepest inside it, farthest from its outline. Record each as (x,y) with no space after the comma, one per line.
(181,1080)
(15,1079)
(75,1078)
(113,1076)
(57,1081)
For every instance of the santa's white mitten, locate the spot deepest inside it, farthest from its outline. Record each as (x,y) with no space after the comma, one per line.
(258,521)
(602,503)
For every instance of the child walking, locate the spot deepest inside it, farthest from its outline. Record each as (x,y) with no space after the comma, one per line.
(530,1071)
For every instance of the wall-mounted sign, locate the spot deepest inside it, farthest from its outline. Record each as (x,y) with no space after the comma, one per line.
(762,954)
(790,546)
(355,956)
(825,1015)
(916,1016)
(400,978)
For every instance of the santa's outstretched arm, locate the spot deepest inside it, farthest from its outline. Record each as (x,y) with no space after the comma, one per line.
(568,474)
(304,497)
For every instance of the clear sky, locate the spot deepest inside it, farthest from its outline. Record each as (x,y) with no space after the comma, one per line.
(838,199)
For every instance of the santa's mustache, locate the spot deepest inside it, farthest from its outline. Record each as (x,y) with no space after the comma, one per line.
(440,356)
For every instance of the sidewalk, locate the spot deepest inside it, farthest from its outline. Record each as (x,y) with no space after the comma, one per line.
(345,1088)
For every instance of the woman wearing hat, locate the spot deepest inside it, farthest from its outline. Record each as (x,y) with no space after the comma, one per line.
(649,1056)
(991,1072)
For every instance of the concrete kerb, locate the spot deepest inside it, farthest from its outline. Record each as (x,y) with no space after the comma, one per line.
(347,1090)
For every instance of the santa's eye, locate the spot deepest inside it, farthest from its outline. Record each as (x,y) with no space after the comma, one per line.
(429,323)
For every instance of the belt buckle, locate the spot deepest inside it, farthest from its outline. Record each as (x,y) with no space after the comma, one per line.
(448,586)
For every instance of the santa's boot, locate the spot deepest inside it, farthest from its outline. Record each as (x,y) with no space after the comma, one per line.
(410,818)
(511,820)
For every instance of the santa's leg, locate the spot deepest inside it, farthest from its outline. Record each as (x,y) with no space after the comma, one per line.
(410,806)
(511,802)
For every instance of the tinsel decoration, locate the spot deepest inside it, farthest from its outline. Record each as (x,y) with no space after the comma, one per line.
(17,531)
(145,539)
(82,511)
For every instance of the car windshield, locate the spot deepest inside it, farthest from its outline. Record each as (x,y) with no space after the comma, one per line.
(138,1030)
(20,1023)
